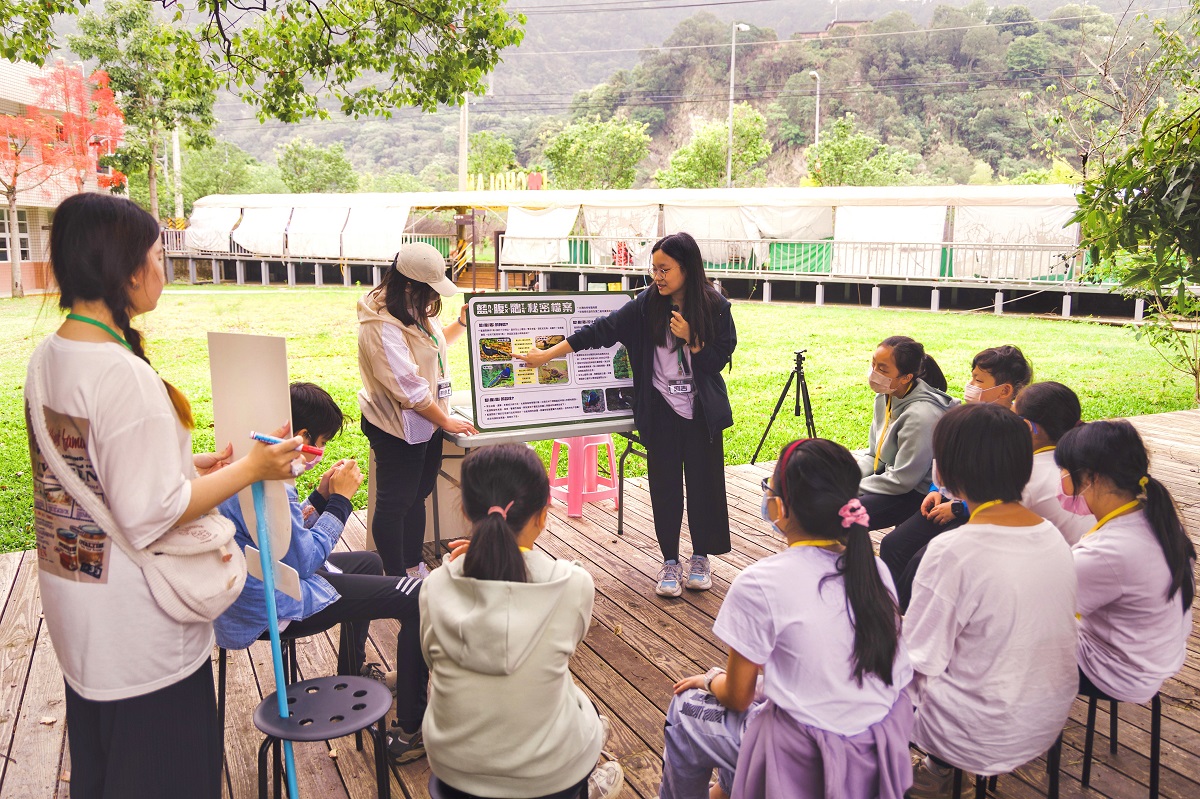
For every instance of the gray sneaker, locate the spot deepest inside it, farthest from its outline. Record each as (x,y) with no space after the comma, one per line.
(699,573)
(402,748)
(670,579)
(606,781)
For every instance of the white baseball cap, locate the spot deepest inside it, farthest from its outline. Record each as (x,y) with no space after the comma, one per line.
(420,261)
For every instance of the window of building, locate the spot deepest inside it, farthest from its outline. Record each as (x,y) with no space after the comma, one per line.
(22,234)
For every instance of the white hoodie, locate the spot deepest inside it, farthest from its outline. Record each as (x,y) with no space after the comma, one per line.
(505,719)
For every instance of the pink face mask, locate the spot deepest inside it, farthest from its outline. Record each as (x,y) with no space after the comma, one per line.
(1073,504)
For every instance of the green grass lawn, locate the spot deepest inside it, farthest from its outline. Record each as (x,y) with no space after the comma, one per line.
(1113,374)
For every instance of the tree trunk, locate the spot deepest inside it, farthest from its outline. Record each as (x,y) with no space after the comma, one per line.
(152,173)
(14,246)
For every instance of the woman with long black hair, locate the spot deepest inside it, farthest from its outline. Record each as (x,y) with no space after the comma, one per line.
(1135,566)
(680,335)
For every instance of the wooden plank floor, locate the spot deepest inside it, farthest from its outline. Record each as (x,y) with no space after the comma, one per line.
(638,645)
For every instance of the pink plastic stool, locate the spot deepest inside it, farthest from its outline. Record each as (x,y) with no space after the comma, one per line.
(583,482)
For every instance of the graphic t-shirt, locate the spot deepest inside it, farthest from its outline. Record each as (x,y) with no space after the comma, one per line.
(788,613)
(112,422)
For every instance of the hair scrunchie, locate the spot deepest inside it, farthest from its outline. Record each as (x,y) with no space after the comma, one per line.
(502,511)
(853,512)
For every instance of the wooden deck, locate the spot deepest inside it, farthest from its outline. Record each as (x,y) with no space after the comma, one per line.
(638,646)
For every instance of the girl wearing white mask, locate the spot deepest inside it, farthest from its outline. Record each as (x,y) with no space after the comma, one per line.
(1134,567)
(910,398)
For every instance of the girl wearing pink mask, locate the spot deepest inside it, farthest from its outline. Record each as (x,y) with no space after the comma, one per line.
(1134,567)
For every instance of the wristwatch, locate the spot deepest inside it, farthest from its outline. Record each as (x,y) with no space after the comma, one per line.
(711,675)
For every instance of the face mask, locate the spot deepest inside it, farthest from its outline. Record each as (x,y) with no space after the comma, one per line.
(312,464)
(1073,504)
(878,383)
(973,393)
(766,515)
(937,481)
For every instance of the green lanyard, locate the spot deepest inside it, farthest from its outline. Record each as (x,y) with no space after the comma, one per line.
(683,369)
(96,322)
(433,338)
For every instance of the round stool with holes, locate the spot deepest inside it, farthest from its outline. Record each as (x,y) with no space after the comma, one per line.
(321,710)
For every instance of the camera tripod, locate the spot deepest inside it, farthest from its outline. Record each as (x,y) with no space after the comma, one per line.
(801,395)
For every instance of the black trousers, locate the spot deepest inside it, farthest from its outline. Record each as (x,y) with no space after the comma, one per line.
(162,745)
(405,475)
(366,594)
(901,550)
(888,510)
(678,448)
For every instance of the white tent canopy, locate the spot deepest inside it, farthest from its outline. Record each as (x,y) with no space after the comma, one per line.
(1018,227)
(893,242)
(623,234)
(374,232)
(261,230)
(538,236)
(724,234)
(316,232)
(208,229)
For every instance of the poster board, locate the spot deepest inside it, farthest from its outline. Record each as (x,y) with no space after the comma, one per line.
(581,387)
(250,393)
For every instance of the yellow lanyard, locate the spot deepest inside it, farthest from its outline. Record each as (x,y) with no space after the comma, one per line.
(816,542)
(1128,506)
(525,549)
(433,338)
(887,419)
(984,506)
(1044,449)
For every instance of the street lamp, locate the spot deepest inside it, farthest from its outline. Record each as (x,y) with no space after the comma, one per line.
(737,26)
(817,123)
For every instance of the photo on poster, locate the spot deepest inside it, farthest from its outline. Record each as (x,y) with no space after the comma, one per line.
(621,367)
(553,373)
(619,399)
(546,342)
(497,375)
(593,400)
(495,349)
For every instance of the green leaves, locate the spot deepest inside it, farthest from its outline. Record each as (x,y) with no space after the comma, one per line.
(309,167)
(847,157)
(700,163)
(595,154)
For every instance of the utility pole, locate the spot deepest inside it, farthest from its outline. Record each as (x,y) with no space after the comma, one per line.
(177,166)
(462,144)
(737,26)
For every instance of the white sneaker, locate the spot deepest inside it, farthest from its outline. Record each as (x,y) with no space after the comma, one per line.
(605,725)
(699,573)
(606,781)
(670,579)
(420,571)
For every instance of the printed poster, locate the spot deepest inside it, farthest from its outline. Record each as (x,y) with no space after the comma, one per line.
(580,387)
(70,544)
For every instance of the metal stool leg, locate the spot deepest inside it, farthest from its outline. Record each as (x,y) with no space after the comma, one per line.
(1155,743)
(383,776)
(1088,739)
(981,783)
(958,778)
(1112,727)
(221,698)
(295,666)
(992,781)
(262,768)
(1053,766)
(276,746)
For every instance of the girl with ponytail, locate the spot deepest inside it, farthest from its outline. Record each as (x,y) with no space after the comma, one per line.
(139,688)
(991,625)
(819,623)
(1135,566)
(498,628)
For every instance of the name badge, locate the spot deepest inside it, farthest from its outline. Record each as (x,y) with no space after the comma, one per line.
(443,389)
(683,386)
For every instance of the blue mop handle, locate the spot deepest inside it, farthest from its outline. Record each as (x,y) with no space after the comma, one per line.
(268,571)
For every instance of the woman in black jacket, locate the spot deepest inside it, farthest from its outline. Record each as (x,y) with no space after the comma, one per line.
(680,335)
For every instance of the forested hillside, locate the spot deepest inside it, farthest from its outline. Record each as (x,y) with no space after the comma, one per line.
(961,86)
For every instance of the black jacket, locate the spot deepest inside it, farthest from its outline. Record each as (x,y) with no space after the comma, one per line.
(630,325)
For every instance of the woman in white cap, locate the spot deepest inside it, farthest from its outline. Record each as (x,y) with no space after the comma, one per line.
(405,398)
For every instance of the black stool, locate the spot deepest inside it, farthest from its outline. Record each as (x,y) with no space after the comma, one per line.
(440,790)
(291,670)
(984,784)
(1094,695)
(320,710)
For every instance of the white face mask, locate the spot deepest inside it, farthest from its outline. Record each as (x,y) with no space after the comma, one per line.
(973,393)
(879,383)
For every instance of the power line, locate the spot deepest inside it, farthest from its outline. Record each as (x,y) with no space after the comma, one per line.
(600,7)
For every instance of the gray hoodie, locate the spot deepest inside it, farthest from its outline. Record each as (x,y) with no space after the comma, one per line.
(906,448)
(505,719)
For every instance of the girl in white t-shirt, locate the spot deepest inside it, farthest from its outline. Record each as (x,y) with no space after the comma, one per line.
(1135,566)
(991,625)
(141,712)
(1050,409)
(819,623)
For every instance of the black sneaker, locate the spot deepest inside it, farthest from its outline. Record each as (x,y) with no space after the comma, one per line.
(403,749)
(373,671)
